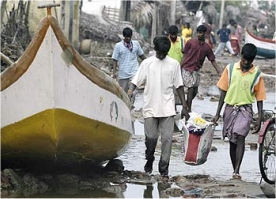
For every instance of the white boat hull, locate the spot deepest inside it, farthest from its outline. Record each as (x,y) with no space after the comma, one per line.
(56,111)
(265,48)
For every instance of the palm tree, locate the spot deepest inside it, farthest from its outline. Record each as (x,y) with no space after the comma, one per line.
(152,14)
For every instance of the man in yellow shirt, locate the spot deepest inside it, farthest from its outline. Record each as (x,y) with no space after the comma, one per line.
(176,52)
(177,44)
(187,32)
(241,84)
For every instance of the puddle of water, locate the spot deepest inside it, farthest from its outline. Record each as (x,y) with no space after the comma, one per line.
(218,164)
(148,191)
(142,191)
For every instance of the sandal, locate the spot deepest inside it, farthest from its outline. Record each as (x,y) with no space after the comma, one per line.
(165,178)
(236,176)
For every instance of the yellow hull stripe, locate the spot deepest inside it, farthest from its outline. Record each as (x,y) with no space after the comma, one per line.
(57,135)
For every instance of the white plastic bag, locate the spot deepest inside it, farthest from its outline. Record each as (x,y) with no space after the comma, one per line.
(198,138)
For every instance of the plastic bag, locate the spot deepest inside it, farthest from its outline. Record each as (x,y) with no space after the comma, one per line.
(198,138)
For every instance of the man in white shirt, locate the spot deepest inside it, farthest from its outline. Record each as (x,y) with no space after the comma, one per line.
(125,57)
(159,74)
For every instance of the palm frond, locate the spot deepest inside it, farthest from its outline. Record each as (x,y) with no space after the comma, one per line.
(141,13)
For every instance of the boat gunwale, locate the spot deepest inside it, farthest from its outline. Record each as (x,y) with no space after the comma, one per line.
(259,38)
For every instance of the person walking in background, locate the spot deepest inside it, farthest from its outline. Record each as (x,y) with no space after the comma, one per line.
(213,37)
(231,27)
(238,32)
(187,32)
(208,37)
(125,57)
(224,36)
(159,74)
(175,52)
(235,36)
(240,84)
(177,44)
(195,52)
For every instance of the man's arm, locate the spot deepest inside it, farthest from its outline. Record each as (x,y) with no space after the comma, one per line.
(181,94)
(115,64)
(218,68)
(142,57)
(259,121)
(220,104)
(131,88)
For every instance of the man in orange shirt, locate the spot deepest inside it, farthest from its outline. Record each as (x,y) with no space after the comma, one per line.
(241,84)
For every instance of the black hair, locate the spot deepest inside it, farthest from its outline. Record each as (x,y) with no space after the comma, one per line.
(127,32)
(249,51)
(201,28)
(162,45)
(173,30)
(188,25)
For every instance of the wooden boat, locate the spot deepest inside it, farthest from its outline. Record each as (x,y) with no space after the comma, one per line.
(266,48)
(59,109)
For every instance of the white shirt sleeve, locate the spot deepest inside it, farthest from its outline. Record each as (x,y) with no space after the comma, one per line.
(139,78)
(178,77)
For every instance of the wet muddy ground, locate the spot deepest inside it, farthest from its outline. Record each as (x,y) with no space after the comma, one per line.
(212,179)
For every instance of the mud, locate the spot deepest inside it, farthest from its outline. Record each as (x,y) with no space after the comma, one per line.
(89,181)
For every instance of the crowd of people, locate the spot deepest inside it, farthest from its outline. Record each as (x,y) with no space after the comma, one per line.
(175,65)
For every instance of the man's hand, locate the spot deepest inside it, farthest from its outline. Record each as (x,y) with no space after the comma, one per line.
(215,119)
(219,71)
(185,113)
(130,94)
(258,127)
(114,76)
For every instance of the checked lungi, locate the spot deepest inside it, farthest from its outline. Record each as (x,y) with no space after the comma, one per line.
(237,120)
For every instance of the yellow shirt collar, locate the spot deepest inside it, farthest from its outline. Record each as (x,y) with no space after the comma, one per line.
(251,69)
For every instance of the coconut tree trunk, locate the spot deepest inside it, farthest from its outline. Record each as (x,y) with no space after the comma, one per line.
(153,23)
(76,24)
(221,13)
(3,9)
(173,4)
